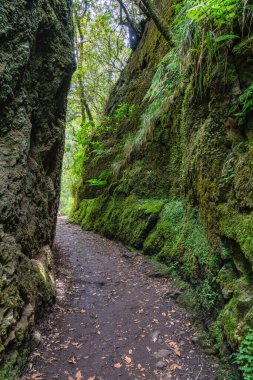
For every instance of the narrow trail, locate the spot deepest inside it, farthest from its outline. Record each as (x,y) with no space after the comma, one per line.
(112,319)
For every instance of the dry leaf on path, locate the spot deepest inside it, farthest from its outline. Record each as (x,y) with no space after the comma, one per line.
(78,375)
(72,360)
(128,360)
(65,346)
(117,365)
(36,376)
(174,366)
(92,378)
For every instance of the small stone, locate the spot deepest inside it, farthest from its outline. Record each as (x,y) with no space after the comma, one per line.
(127,255)
(173,293)
(154,272)
(160,340)
(163,353)
(195,339)
(155,335)
(227,293)
(36,336)
(160,365)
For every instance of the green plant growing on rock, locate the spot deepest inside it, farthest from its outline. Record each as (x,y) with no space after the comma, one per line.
(246,101)
(96,182)
(244,356)
(124,113)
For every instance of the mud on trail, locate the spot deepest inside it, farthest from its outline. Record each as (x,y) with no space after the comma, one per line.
(112,319)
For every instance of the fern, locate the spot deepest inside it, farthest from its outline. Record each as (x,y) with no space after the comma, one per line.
(96,182)
(246,100)
(202,27)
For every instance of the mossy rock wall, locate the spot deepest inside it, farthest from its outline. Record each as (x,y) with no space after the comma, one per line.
(36,63)
(184,193)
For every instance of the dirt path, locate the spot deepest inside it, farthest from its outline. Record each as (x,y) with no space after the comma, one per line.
(112,320)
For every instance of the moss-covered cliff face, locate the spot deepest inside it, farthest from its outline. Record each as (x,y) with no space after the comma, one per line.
(180,179)
(36,63)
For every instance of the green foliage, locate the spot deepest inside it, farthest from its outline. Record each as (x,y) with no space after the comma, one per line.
(166,78)
(124,112)
(83,139)
(215,13)
(207,295)
(203,32)
(246,101)
(96,182)
(101,51)
(229,171)
(244,356)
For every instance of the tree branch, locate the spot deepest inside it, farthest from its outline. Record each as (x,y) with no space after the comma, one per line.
(158,19)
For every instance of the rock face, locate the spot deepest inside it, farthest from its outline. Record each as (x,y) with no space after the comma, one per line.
(180,180)
(36,62)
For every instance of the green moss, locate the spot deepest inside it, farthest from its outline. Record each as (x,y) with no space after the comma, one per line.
(14,364)
(167,228)
(229,319)
(239,227)
(45,283)
(226,278)
(130,219)
(189,300)
(236,317)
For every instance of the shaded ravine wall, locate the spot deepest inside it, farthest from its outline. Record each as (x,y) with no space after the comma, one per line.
(183,190)
(36,62)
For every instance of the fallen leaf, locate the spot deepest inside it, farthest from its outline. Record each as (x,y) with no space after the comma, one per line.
(92,378)
(65,346)
(148,348)
(128,360)
(36,376)
(178,353)
(36,354)
(72,360)
(174,366)
(78,375)
(117,365)
(130,352)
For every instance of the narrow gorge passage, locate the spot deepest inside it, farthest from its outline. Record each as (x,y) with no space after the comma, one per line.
(113,318)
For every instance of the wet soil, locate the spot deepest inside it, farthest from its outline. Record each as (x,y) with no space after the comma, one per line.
(113,318)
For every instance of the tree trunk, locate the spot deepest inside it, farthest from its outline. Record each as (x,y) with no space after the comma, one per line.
(158,19)
(84,105)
